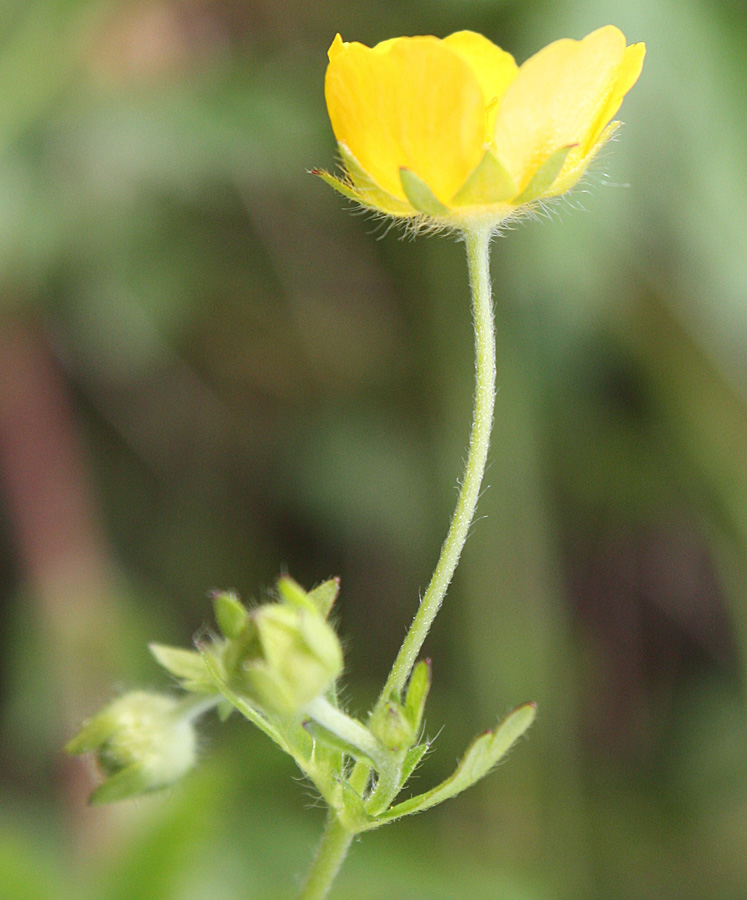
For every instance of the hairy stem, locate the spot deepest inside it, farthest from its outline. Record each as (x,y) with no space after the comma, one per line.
(478,257)
(336,839)
(330,856)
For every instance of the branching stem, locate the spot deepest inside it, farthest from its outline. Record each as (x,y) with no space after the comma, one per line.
(336,838)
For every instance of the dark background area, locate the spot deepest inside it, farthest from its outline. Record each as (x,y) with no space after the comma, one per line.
(210,372)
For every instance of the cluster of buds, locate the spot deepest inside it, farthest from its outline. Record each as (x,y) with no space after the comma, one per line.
(283,655)
(272,661)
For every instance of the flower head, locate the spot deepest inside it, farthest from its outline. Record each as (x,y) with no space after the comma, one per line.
(455,132)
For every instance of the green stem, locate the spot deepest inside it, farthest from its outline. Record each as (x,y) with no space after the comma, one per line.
(336,839)
(192,706)
(332,851)
(348,730)
(478,257)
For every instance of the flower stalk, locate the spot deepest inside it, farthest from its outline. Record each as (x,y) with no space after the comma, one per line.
(478,258)
(336,839)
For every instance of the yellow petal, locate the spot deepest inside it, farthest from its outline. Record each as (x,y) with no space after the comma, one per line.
(627,76)
(495,69)
(409,103)
(556,100)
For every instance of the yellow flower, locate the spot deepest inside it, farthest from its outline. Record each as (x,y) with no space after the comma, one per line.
(455,132)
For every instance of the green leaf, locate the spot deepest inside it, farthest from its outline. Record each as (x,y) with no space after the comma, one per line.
(324,595)
(224,710)
(353,814)
(186,665)
(420,195)
(484,752)
(544,176)
(489,182)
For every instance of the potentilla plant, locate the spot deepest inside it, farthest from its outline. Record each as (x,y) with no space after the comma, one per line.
(437,134)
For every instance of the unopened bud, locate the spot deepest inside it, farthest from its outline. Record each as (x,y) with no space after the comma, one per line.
(287,656)
(392,726)
(143,741)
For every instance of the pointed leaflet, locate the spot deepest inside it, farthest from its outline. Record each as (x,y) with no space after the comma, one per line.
(481,756)
(350,732)
(329,739)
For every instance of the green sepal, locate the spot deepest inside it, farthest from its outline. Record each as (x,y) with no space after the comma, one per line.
(230,613)
(412,760)
(353,814)
(337,184)
(481,756)
(95,732)
(242,705)
(544,177)
(361,188)
(489,182)
(324,595)
(291,592)
(128,782)
(417,693)
(186,665)
(369,192)
(420,195)
(265,686)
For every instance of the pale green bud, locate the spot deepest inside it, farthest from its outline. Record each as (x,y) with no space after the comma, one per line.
(391,725)
(287,656)
(143,741)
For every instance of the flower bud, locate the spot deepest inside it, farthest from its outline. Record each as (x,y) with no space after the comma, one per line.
(392,726)
(286,657)
(143,741)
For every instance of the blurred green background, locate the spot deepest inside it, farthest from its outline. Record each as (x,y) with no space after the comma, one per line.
(211,372)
